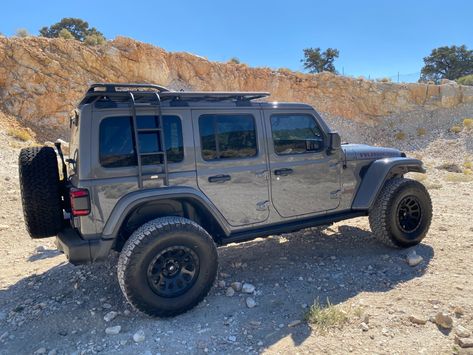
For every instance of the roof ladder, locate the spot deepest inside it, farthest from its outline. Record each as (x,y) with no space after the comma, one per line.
(162,146)
(162,141)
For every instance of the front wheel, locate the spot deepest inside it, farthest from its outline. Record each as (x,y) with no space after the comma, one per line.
(167,266)
(402,213)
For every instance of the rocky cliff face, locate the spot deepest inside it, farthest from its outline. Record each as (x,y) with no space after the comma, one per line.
(42,79)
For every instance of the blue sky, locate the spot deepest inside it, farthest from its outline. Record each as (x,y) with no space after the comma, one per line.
(375,38)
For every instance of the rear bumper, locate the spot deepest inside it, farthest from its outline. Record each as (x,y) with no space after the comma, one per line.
(79,251)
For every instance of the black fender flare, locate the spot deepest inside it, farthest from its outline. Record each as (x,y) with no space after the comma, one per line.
(132,200)
(378,172)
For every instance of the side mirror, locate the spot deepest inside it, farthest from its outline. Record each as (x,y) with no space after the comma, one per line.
(335,142)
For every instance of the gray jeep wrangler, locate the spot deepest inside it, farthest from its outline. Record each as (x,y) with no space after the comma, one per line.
(164,176)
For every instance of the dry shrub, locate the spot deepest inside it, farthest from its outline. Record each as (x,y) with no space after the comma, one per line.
(456,129)
(400,136)
(421,132)
(285,71)
(452,177)
(20,134)
(325,317)
(468,123)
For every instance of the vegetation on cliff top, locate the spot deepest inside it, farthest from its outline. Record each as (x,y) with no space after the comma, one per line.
(316,61)
(74,28)
(448,63)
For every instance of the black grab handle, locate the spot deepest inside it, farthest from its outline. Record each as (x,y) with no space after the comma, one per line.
(220,178)
(283,172)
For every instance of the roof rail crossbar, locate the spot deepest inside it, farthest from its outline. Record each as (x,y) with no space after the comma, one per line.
(212,96)
(112,87)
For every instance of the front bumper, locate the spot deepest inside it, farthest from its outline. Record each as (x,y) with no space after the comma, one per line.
(79,251)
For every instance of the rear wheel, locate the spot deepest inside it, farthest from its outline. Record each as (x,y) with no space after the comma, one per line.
(402,213)
(167,266)
(40,191)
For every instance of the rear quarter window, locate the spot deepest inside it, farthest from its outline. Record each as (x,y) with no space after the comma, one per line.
(117,148)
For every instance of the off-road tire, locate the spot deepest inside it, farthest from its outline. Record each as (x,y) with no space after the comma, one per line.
(40,191)
(149,241)
(383,217)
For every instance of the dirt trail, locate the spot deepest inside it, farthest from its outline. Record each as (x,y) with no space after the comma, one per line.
(49,306)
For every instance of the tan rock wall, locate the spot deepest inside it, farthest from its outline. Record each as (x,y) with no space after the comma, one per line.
(42,79)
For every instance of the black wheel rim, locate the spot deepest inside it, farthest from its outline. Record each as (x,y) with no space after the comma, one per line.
(409,214)
(173,271)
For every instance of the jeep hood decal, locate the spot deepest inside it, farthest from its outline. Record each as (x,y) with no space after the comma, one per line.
(367,152)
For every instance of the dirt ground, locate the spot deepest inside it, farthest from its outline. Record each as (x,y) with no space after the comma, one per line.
(50,306)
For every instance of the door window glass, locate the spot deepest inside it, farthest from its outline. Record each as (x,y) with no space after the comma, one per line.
(227,136)
(295,134)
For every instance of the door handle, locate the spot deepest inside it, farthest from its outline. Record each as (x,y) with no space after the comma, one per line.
(283,172)
(220,178)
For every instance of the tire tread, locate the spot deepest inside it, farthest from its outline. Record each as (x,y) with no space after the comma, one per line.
(40,191)
(131,252)
(378,216)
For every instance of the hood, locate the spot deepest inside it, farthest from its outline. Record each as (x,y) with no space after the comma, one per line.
(367,152)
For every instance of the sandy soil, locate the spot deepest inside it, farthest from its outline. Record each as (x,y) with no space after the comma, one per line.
(49,306)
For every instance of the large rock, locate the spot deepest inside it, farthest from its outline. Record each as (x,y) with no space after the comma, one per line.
(110,316)
(113,330)
(248,288)
(464,343)
(462,332)
(417,319)
(42,79)
(443,320)
(413,259)
(139,336)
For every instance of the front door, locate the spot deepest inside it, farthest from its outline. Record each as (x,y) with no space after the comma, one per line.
(231,163)
(305,179)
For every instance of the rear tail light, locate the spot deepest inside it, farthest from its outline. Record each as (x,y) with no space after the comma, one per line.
(80,202)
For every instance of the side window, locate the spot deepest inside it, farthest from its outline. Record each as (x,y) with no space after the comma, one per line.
(227,136)
(295,134)
(116,141)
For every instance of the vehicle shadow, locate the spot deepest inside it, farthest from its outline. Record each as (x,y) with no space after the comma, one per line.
(44,254)
(288,271)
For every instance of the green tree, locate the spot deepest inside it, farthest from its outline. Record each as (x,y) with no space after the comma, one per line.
(77,27)
(234,60)
(316,61)
(447,63)
(22,32)
(64,33)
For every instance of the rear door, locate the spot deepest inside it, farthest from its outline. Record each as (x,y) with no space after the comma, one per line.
(304,178)
(231,163)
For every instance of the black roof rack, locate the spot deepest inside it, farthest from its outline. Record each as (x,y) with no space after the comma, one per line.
(147,93)
(118,87)
(213,95)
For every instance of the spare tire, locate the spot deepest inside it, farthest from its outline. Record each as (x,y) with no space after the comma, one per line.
(40,191)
